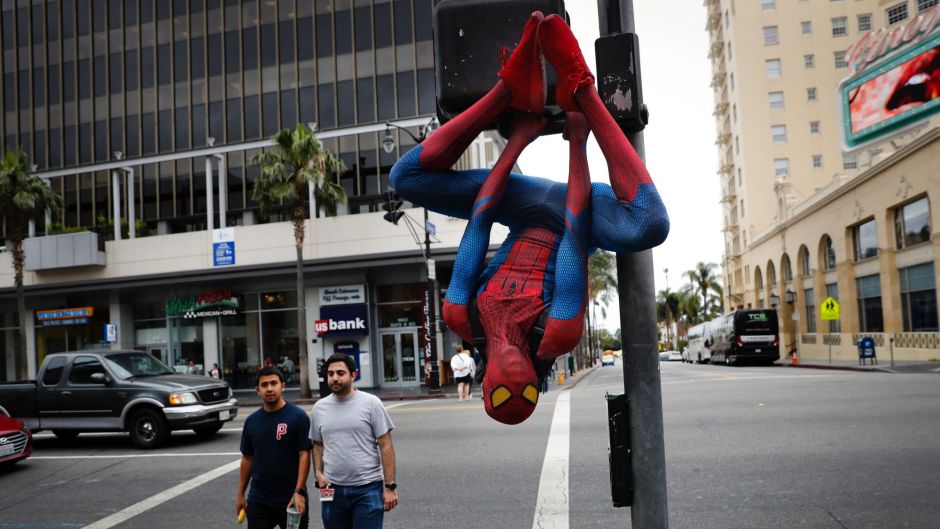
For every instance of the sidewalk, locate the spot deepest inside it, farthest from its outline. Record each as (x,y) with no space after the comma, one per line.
(249,398)
(883,366)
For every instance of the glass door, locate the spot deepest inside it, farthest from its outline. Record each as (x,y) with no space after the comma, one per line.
(400,357)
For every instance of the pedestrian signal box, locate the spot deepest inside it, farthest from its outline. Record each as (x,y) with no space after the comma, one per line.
(829,310)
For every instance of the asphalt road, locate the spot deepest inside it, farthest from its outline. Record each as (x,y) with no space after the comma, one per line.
(745,448)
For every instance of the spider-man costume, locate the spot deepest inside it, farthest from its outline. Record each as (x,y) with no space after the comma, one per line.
(542,264)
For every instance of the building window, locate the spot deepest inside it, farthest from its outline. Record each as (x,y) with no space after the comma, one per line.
(817,161)
(809,60)
(773,67)
(849,162)
(732,81)
(865,240)
(737,145)
(829,254)
(781,166)
(806,27)
(840,26)
(912,223)
(896,13)
(742,208)
(814,127)
(787,269)
(918,298)
(730,52)
(805,269)
(832,291)
(768,5)
(870,318)
(734,112)
(840,61)
(778,133)
(811,94)
(864,22)
(771,35)
(810,310)
(923,5)
(776,100)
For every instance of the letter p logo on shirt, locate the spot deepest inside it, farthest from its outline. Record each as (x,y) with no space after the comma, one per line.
(281,430)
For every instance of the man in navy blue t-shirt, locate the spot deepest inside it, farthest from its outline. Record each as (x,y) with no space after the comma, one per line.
(275,456)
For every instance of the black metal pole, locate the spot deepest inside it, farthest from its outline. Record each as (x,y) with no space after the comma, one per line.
(434,382)
(642,384)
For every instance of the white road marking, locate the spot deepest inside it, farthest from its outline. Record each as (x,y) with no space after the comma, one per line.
(139,456)
(399,405)
(165,496)
(551,508)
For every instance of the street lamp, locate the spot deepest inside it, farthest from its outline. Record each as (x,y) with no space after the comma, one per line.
(388,142)
(388,145)
(789,296)
(774,300)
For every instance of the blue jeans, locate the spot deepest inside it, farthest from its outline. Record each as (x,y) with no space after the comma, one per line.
(359,507)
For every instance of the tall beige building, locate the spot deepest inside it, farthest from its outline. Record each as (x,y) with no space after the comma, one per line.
(777,65)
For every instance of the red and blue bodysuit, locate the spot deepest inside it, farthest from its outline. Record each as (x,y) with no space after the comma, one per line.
(540,270)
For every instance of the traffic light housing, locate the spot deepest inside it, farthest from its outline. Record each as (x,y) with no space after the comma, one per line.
(392,206)
(618,80)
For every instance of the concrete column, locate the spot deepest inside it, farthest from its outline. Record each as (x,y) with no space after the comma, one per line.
(210,210)
(121,314)
(48,220)
(131,203)
(30,321)
(32,228)
(210,343)
(223,190)
(116,200)
(890,290)
(312,201)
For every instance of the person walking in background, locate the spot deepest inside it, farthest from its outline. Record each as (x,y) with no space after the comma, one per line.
(275,457)
(191,368)
(464,368)
(215,372)
(353,455)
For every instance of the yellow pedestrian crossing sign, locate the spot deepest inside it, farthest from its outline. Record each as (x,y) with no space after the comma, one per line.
(829,309)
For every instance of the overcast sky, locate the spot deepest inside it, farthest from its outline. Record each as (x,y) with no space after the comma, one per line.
(680,151)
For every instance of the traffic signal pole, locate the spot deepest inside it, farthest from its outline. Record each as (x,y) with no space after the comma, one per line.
(636,291)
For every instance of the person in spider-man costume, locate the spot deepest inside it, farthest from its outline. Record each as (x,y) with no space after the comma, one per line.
(541,267)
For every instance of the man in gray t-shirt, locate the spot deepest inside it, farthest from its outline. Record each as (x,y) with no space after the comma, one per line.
(352,451)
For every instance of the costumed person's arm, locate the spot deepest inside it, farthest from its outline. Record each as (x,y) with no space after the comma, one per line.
(629,216)
(565,322)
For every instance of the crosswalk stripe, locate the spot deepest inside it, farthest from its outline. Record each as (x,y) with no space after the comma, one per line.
(551,508)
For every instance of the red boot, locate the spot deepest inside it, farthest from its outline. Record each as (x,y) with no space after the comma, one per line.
(561,50)
(524,73)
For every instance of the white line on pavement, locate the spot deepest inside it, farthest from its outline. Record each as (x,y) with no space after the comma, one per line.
(167,495)
(551,508)
(399,405)
(138,456)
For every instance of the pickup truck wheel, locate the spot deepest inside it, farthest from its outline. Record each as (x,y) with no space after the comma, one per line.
(148,429)
(66,435)
(206,431)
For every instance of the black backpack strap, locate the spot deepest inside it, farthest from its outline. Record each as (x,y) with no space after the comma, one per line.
(537,332)
(479,337)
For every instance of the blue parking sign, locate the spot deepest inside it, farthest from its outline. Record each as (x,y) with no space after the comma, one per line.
(223,253)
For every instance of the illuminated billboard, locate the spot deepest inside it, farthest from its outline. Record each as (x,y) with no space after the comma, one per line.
(891,96)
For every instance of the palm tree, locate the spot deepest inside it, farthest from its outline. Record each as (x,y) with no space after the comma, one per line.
(667,308)
(704,279)
(602,284)
(23,197)
(298,160)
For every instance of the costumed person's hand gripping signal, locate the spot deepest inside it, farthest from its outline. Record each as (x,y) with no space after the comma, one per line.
(530,298)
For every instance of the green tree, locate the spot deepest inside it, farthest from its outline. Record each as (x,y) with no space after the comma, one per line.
(667,309)
(296,161)
(23,197)
(602,286)
(706,282)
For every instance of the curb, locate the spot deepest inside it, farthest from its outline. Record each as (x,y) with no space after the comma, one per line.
(591,370)
(842,368)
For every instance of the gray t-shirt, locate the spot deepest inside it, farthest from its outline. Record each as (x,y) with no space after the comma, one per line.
(348,429)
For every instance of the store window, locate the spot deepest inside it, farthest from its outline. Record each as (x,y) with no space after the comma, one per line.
(832,291)
(919,298)
(865,240)
(870,318)
(401,305)
(810,310)
(9,342)
(912,223)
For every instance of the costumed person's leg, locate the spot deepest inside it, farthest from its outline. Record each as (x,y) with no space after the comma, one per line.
(565,322)
(423,175)
(634,218)
(471,254)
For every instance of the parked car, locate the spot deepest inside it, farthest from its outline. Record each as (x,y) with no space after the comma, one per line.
(16,441)
(674,356)
(607,360)
(114,391)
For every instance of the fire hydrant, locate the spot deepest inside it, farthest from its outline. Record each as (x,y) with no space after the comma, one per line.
(561,378)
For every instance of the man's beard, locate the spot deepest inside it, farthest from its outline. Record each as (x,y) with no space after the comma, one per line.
(339,388)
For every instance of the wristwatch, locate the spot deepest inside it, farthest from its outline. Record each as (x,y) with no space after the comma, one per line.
(391,485)
(300,491)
